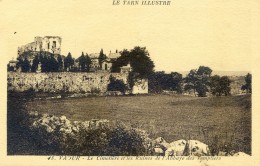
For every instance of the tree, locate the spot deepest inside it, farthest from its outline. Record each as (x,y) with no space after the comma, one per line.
(88,62)
(139,59)
(44,61)
(82,62)
(248,85)
(123,60)
(48,62)
(60,62)
(19,63)
(199,80)
(225,85)
(101,57)
(176,82)
(204,71)
(25,64)
(53,65)
(68,62)
(154,84)
(191,81)
(203,75)
(159,81)
(220,85)
(10,68)
(141,62)
(116,85)
(35,63)
(215,87)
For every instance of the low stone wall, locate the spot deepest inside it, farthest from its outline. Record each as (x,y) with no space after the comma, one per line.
(62,81)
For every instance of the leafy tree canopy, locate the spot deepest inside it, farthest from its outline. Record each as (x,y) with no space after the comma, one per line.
(248,85)
(220,85)
(198,80)
(139,59)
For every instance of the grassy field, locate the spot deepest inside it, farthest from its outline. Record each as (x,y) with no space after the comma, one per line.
(169,116)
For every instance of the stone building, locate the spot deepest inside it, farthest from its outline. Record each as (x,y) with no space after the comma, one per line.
(107,64)
(94,66)
(50,44)
(12,65)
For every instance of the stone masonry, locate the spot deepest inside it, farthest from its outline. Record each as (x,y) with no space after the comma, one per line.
(62,81)
(50,44)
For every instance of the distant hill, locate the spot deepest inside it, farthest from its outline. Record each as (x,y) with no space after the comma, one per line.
(230,73)
(221,73)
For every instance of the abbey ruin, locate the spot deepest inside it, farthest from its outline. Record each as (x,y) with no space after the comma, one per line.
(50,44)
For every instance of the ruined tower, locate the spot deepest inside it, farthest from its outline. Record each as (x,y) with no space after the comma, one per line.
(50,44)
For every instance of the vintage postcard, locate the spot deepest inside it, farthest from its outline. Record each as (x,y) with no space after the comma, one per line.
(117,82)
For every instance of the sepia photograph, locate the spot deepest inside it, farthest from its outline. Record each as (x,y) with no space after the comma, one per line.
(128,80)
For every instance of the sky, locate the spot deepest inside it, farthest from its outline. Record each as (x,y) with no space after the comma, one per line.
(179,37)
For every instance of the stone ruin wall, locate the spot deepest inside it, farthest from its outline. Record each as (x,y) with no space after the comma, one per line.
(62,81)
(42,44)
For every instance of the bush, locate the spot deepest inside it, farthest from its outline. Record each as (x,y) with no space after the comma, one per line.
(125,142)
(116,85)
(49,134)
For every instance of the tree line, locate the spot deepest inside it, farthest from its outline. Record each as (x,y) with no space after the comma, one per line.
(198,81)
(52,63)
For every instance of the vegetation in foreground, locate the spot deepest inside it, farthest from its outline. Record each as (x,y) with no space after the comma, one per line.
(223,122)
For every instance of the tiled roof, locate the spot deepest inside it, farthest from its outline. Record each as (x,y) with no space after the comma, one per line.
(51,37)
(13,61)
(94,55)
(114,55)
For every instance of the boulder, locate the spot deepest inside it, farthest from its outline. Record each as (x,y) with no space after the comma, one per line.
(176,148)
(160,143)
(158,151)
(197,148)
(49,129)
(63,118)
(75,129)
(85,125)
(45,120)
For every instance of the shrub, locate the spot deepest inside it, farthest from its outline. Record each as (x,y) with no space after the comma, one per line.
(116,85)
(125,142)
(57,135)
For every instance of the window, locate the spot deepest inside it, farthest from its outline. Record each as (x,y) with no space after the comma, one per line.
(54,44)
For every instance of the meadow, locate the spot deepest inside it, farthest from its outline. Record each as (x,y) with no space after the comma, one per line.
(225,120)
